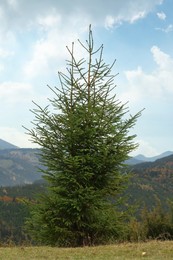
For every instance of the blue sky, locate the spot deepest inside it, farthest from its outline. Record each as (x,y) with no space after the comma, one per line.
(137,33)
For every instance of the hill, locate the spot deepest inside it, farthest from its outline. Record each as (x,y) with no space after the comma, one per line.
(152,180)
(6,145)
(19,166)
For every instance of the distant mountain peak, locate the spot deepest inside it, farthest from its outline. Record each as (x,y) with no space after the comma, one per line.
(143,158)
(6,145)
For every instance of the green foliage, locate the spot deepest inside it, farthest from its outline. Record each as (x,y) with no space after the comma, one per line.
(12,218)
(151,180)
(155,223)
(84,142)
(28,191)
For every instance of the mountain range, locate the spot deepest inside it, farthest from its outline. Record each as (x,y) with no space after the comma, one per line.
(151,183)
(19,166)
(152,180)
(141,158)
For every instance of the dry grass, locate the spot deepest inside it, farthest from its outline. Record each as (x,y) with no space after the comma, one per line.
(149,250)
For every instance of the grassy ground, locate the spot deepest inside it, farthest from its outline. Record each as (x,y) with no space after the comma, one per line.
(150,250)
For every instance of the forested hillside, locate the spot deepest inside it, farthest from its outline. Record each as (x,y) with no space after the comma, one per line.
(151,182)
(14,209)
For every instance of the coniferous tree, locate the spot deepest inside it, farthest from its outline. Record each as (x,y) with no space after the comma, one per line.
(84,143)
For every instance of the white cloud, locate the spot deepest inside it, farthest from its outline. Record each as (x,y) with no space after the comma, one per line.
(164,71)
(162,59)
(14,92)
(48,52)
(117,20)
(141,85)
(25,13)
(132,13)
(16,137)
(111,21)
(167,29)
(146,149)
(43,51)
(137,16)
(161,15)
(154,85)
(54,21)
(5,53)
(1,67)
(45,28)
(49,21)
(13,3)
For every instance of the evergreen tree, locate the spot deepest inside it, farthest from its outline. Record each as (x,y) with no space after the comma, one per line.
(84,142)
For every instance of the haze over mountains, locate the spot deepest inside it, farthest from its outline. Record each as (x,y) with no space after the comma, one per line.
(137,159)
(143,158)
(19,166)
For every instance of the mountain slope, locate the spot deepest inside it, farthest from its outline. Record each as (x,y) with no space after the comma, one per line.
(6,145)
(152,180)
(18,166)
